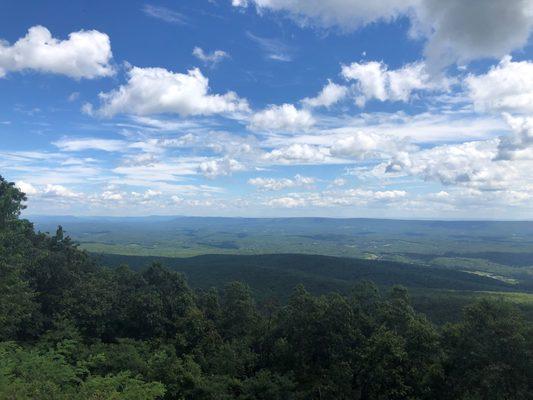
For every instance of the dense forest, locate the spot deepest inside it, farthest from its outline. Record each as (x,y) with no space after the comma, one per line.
(71,329)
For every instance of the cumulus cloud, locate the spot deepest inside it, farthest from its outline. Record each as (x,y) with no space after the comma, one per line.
(470,164)
(146,196)
(329,95)
(286,202)
(157,91)
(361,145)
(27,188)
(58,191)
(339,182)
(505,87)
(356,197)
(347,14)
(298,154)
(110,195)
(349,145)
(375,81)
(454,30)
(472,200)
(519,142)
(218,142)
(85,54)
(220,167)
(461,31)
(283,183)
(212,58)
(285,117)
(377,195)
(343,198)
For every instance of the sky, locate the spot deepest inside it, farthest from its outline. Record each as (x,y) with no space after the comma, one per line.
(262,108)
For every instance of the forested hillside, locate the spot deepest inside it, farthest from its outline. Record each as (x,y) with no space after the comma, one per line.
(500,250)
(71,329)
(439,292)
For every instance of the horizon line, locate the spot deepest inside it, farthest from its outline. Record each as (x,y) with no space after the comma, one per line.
(266,218)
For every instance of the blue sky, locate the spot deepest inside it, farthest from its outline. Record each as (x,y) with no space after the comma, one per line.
(342,108)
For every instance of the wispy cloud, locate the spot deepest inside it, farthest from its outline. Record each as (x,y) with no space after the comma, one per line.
(82,144)
(164,14)
(212,58)
(274,49)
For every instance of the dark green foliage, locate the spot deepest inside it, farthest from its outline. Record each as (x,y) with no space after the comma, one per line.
(488,355)
(11,202)
(70,329)
(439,293)
(321,272)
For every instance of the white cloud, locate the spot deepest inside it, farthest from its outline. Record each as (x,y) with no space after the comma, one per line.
(147,196)
(88,109)
(339,182)
(157,91)
(298,154)
(375,81)
(274,49)
(151,193)
(220,167)
(159,124)
(216,142)
(286,202)
(505,87)
(348,14)
(285,117)
(47,191)
(164,14)
(519,144)
(41,168)
(336,147)
(85,54)
(337,198)
(109,195)
(114,197)
(177,199)
(355,197)
(27,188)
(283,183)
(471,164)
(165,170)
(426,128)
(212,58)
(73,96)
(58,191)
(329,95)
(384,194)
(361,145)
(454,30)
(472,200)
(90,144)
